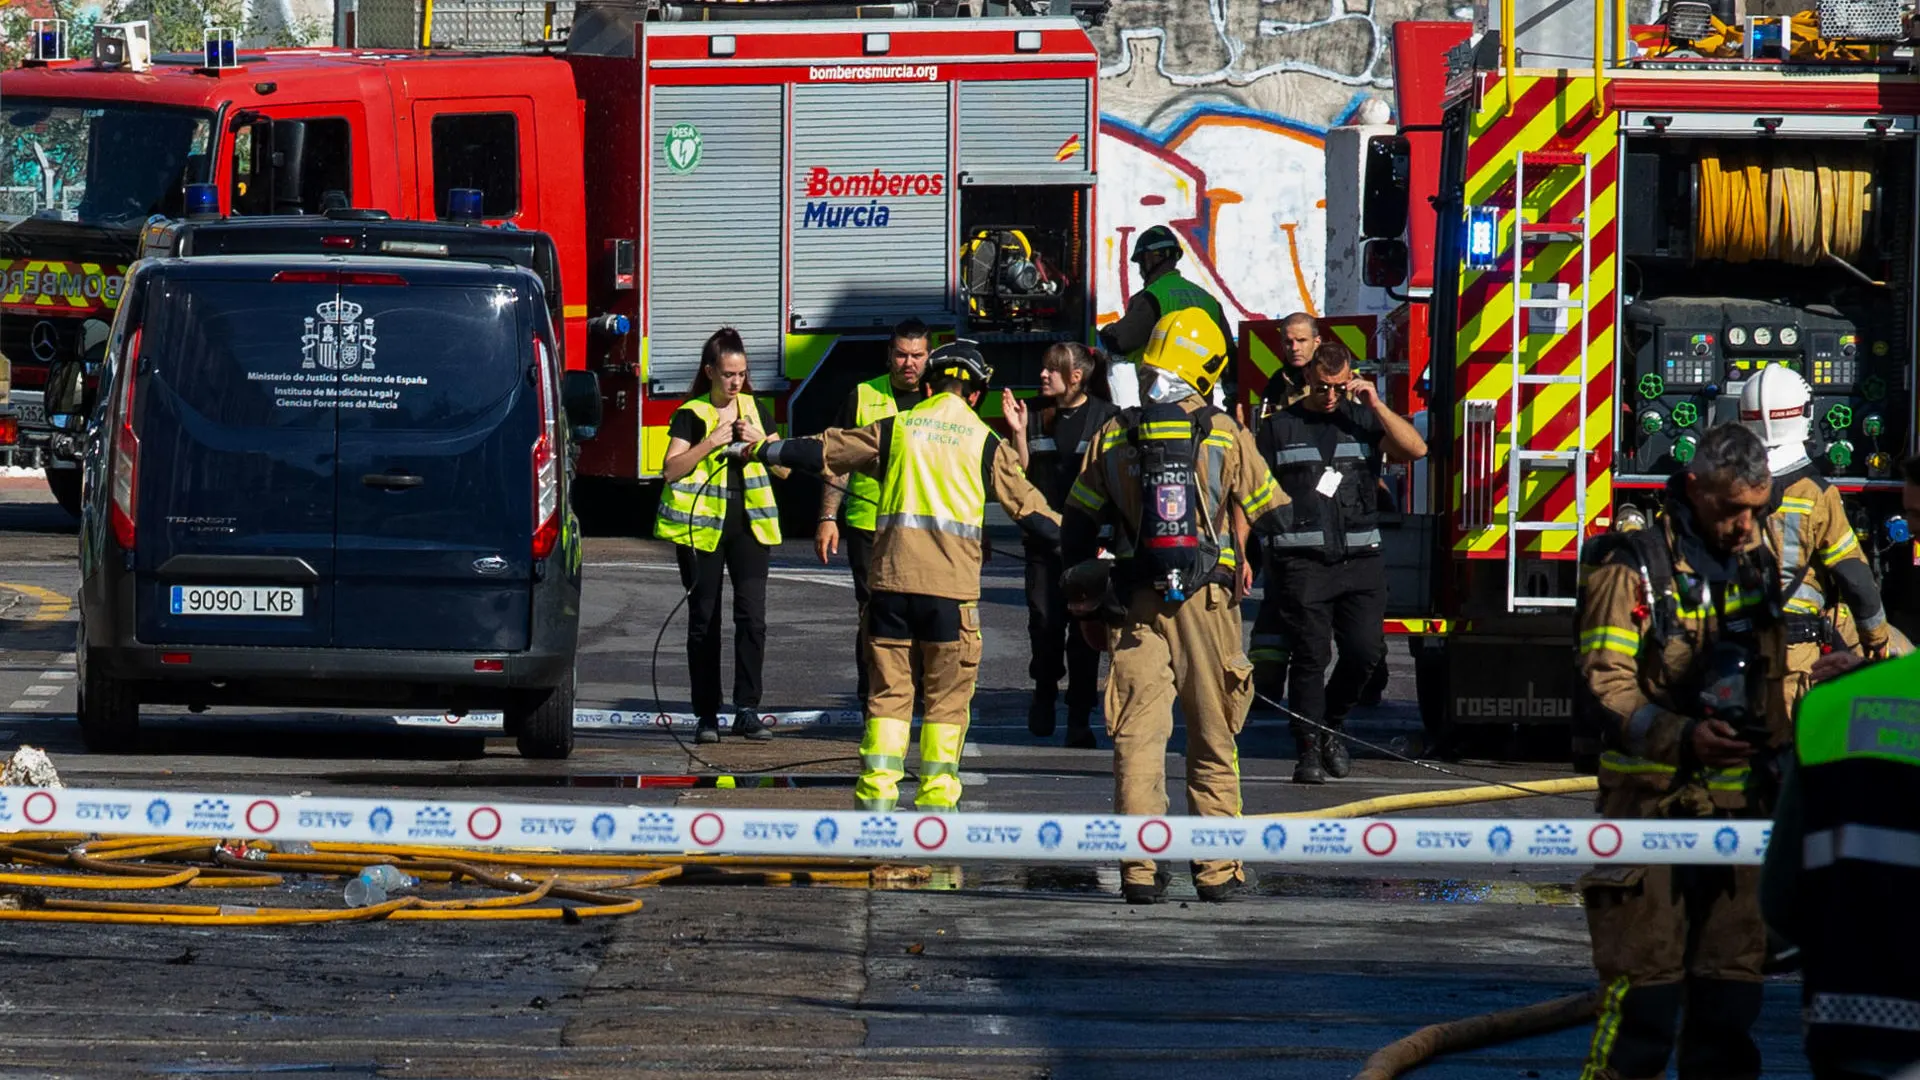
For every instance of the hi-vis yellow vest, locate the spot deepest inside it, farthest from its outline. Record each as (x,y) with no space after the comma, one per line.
(872,400)
(933,479)
(694,507)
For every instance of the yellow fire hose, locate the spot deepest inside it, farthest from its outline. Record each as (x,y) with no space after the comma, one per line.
(1427,800)
(533,884)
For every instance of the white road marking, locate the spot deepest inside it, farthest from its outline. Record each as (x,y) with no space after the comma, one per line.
(42,691)
(30,703)
(55,676)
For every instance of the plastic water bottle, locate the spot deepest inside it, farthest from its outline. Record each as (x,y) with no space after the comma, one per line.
(364,891)
(373,884)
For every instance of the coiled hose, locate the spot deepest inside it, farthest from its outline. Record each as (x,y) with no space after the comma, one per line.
(1795,210)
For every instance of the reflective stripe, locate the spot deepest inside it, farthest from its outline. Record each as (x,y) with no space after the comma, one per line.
(1874,621)
(878,806)
(1862,843)
(1296,454)
(890,762)
(1802,604)
(684,517)
(763,513)
(1717,779)
(1087,497)
(1840,548)
(1370,538)
(1044,443)
(1618,639)
(1220,439)
(938,768)
(1865,1010)
(931,524)
(759,480)
(1313,539)
(1264,497)
(1113,438)
(1607,1031)
(1348,450)
(1228,559)
(1792,505)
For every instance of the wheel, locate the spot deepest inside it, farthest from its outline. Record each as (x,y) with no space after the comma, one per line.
(543,727)
(65,485)
(109,712)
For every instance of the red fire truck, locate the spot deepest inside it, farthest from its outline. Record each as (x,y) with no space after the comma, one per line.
(1626,223)
(809,181)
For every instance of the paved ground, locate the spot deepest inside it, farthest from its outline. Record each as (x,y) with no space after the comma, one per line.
(990,971)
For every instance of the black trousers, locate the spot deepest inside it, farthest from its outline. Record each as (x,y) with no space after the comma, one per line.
(745,560)
(1058,647)
(859,545)
(1318,606)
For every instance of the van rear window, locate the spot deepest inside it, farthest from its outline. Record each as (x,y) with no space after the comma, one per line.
(292,353)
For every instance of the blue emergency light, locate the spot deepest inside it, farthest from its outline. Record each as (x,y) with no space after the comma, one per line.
(1483,237)
(464,204)
(203,202)
(220,52)
(50,47)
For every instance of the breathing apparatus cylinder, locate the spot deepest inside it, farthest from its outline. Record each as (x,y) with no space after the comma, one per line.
(1171,549)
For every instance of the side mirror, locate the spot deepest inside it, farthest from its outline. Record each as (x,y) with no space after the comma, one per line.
(1384,263)
(288,156)
(1383,207)
(580,398)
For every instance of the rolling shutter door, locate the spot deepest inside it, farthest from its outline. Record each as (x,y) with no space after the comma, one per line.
(1026,126)
(871,241)
(714,232)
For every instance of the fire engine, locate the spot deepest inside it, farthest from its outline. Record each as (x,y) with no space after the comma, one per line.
(808,178)
(1628,221)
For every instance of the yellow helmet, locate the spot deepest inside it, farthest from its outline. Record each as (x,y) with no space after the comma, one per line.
(1188,345)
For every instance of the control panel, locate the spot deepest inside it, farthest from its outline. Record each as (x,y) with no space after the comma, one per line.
(1692,356)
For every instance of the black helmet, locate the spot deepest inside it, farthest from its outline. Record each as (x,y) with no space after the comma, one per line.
(1158,238)
(960,359)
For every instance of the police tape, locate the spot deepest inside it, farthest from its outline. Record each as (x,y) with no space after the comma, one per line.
(904,834)
(642,720)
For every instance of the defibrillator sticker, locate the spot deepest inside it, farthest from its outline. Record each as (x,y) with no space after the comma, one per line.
(1170,501)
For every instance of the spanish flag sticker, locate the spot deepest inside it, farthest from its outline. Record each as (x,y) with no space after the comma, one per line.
(1068,149)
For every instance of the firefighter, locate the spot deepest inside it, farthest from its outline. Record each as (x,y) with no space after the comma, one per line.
(1164,475)
(1821,564)
(1843,862)
(1051,438)
(895,392)
(1325,582)
(937,464)
(721,516)
(1156,254)
(1681,654)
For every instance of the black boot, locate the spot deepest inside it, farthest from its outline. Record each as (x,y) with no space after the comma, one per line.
(1080,730)
(708,730)
(1223,892)
(1309,769)
(747,725)
(1155,893)
(1040,712)
(1333,752)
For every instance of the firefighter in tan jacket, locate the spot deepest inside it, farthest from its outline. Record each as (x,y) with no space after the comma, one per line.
(1167,482)
(937,464)
(1680,647)
(1821,564)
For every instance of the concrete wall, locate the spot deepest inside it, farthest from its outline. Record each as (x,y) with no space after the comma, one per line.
(1213,121)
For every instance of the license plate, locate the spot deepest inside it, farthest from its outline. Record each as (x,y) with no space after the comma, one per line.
(251,600)
(30,415)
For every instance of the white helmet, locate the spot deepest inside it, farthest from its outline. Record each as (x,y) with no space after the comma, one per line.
(1777,405)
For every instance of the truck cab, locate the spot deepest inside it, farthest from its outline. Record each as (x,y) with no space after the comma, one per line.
(95,151)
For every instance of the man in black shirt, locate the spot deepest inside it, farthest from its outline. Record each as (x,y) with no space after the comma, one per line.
(1325,583)
(1050,436)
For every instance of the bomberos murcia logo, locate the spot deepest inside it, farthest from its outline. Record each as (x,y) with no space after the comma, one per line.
(823,184)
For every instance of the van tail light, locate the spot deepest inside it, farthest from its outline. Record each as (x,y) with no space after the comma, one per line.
(546,459)
(9,430)
(126,455)
(336,277)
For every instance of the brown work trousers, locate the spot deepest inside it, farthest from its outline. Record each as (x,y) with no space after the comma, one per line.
(1190,652)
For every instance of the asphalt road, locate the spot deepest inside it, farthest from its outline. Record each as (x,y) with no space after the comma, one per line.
(987,972)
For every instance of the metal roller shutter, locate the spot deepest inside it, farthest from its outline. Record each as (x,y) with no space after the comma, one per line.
(1026,125)
(714,234)
(871,242)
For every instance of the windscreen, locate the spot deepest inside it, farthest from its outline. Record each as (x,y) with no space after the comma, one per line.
(107,164)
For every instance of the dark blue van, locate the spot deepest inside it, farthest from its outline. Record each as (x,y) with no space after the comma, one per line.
(331,482)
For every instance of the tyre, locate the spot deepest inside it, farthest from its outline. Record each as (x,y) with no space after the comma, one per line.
(65,485)
(109,713)
(542,726)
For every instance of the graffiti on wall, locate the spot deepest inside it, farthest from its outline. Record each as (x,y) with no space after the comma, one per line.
(1213,115)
